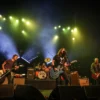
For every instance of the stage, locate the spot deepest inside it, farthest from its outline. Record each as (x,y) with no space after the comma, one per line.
(61,92)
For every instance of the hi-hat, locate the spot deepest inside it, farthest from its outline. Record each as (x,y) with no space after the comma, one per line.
(47,59)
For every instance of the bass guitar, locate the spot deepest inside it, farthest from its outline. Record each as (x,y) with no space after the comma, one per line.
(55,73)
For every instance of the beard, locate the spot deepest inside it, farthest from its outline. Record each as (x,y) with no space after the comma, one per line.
(64,53)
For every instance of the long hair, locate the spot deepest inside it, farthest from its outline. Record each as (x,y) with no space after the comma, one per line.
(59,53)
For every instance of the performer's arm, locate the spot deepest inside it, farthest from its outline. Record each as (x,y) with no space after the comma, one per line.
(53,65)
(92,69)
(3,68)
(53,62)
(15,66)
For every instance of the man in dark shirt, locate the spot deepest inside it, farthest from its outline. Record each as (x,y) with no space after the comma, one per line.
(60,59)
(95,70)
(10,65)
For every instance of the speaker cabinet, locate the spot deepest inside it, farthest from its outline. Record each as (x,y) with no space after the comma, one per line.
(68,93)
(30,73)
(6,92)
(92,92)
(84,81)
(19,81)
(74,78)
(28,92)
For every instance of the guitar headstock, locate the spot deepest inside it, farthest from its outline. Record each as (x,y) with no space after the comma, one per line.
(73,61)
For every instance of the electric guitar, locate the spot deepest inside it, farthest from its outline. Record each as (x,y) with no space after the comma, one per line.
(3,75)
(55,73)
(95,76)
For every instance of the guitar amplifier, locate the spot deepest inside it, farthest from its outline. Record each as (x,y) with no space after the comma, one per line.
(84,81)
(30,73)
(74,78)
(5,81)
(19,81)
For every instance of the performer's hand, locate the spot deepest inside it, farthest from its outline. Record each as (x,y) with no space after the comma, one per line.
(66,65)
(55,69)
(16,67)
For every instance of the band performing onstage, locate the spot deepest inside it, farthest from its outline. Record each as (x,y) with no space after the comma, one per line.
(58,69)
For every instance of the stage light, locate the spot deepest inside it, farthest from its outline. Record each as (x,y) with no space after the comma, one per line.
(55,27)
(7,46)
(23,31)
(23,20)
(59,26)
(17,21)
(0,16)
(10,17)
(63,29)
(4,19)
(55,37)
(27,23)
(75,29)
(30,54)
(46,41)
(25,60)
(68,28)
(72,31)
(73,38)
(0,28)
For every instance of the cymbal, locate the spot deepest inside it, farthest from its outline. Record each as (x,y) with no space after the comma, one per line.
(47,59)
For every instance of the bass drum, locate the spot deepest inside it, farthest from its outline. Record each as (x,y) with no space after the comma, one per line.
(42,75)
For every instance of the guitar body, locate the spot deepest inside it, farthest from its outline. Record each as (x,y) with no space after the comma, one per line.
(95,76)
(2,80)
(2,77)
(55,74)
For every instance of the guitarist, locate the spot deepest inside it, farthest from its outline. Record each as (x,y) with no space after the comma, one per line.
(10,65)
(95,69)
(60,59)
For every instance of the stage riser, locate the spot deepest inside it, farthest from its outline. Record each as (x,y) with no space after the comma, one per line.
(59,93)
(75,93)
(6,92)
(42,84)
(45,84)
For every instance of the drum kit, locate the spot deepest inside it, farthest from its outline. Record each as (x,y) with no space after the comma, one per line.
(41,71)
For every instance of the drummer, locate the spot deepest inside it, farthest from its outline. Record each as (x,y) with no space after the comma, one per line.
(41,67)
(46,69)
